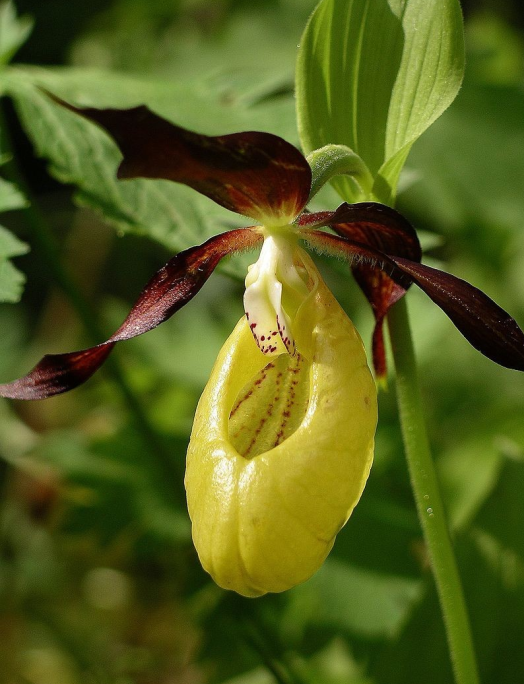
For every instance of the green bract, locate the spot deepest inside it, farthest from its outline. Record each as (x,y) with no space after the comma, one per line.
(373,75)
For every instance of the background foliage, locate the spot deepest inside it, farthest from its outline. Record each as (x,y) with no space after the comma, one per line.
(98,578)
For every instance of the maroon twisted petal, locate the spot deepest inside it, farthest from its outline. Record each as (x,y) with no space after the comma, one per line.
(255,174)
(173,286)
(384,229)
(485,325)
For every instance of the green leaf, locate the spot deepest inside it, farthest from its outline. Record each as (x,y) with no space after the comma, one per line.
(14,31)
(468,474)
(502,514)
(11,279)
(472,155)
(379,603)
(373,76)
(10,196)
(111,488)
(10,245)
(11,282)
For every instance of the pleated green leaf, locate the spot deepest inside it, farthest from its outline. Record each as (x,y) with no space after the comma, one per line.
(373,75)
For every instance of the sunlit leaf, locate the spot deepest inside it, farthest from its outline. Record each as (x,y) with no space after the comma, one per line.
(379,603)
(373,76)
(470,164)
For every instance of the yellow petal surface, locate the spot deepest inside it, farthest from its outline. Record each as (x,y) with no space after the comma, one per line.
(280,452)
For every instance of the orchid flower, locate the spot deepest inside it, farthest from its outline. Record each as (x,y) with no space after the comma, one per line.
(283,435)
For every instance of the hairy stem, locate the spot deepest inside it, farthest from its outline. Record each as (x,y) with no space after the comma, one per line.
(429,501)
(339,160)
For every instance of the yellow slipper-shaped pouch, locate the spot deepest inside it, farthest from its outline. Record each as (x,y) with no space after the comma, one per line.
(281,449)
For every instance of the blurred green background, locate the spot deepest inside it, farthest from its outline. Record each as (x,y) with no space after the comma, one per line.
(99,582)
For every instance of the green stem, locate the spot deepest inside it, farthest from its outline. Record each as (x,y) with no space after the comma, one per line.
(45,243)
(339,160)
(429,501)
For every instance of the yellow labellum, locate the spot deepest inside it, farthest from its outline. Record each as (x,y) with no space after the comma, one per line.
(280,451)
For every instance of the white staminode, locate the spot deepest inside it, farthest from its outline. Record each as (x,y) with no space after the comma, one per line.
(274,291)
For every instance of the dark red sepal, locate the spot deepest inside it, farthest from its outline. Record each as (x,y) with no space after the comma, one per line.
(381,292)
(485,325)
(57,373)
(384,229)
(256,174)
(372,224)
(169,290)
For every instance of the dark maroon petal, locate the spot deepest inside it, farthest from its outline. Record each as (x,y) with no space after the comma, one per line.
(169,290)
(57,373)
(256,174)
(372,224)
(314,219)
(356,253)
(483,323)
(383,290)
(180,279)
(384,229)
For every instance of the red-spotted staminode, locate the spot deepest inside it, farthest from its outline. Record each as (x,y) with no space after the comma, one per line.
(283,437)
